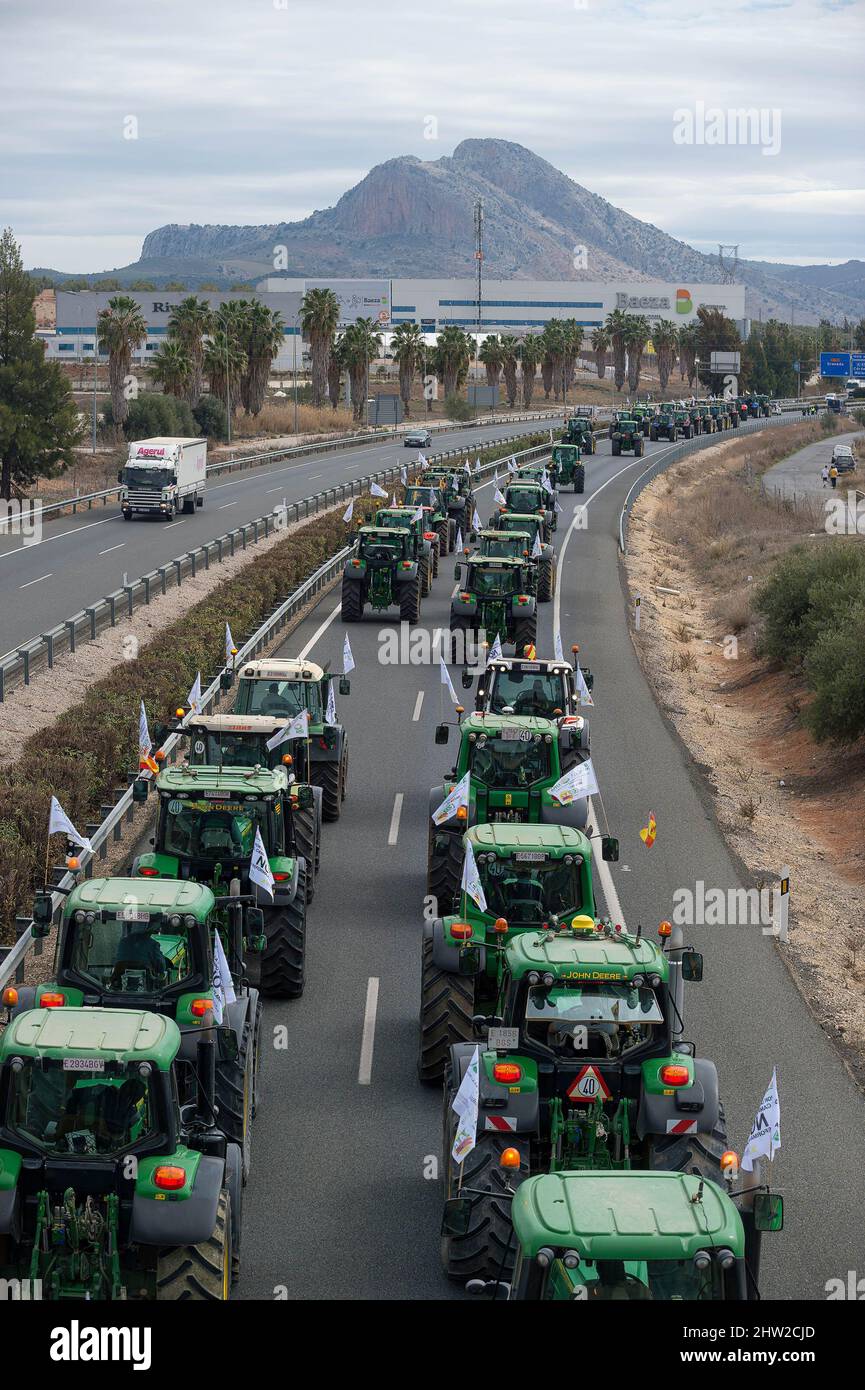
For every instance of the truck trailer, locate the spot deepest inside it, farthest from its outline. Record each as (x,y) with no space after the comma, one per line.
(163,477)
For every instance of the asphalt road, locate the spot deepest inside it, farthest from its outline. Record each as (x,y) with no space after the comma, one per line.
(800,474)
(80,558)
(343,1201)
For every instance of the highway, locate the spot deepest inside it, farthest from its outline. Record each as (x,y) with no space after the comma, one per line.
(80,558)
(343,1202)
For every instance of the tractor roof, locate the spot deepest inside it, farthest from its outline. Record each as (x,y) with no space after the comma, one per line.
(587,955)
(526,517)
(625,1215)
(506,838)
(566,443)
(236,723)
(492,724)
(546,665)
(288,669)
(495,533)
(157,895)
(229,781)
(495,561)
(118,1035)
(383,531)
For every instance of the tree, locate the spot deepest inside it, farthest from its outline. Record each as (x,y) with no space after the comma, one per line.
(600,347)
(120,329)
(39,422)
(334,372)
(664,340)
(319,319)
(616,326)
(174,286)
(453,353)
(637,332)
(191,320)
(491,355)
(715,333)
(361,343)
(407,351)
(171,368)
(572,341)
(509,348)
(224,365)
(260,336)
(554,357)
(142,285)
(859,335)
(688,352)
(530,355)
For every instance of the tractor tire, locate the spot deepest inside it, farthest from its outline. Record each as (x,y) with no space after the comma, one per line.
(443,872)
(488,1248)
(617,447)
(452,535)
(435,559)
(639,447)
(329,776)
(443,531)
(653,435)
(282,963)
(352,600)
(306,835)
(546,579)
(343,773)
(235,1087)
(692,1153)
(425,570)
(525,633)
(579,478)
(446,1008)
(409,601)
(199,1273)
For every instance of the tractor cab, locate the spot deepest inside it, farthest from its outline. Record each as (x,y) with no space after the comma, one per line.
(578,430)
(567,464)
(541,687)
(235,740)
(627,437)
(496,596)
(500,543)
(433,499)
(530,496)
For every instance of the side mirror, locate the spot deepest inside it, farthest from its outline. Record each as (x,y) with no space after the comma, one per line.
(226,1041)
(692,966)
(120,475)
(303,794)
(456,1217)
(768,1211)
(254,922)
(344,685)
(610,849)
(470,960)
(467,680)
(226,680)
(43,914)
(457,571)
(140,789)
(441,733)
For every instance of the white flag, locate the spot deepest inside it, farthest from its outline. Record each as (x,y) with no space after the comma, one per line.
(512,464)
(458,796)
(557,508)
(583,690)
(478,464)
(477,524)
(496,649)
(471,880)
(421,458)
(465,1105)
(393,499)
(446,680)
(557,646)
(223,986)
(536,547)
(230,649)
(765,1136)
(576,784)
(144,744)
(403,475)
(499,496)
(259,866)
(349,511)
(466,468)
(60,824)
(193,699)
(347,658)
(330,712)
(298,727)
(545,480)
(551,436)
(458,543)
(376,491)
(418,515)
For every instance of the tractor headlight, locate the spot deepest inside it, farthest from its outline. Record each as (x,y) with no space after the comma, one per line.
(189,921)
(79,915)
(725,1257)
(175,920)
(89,917)
(548,980)
(571,1259)
(569,859)
(533,979)
(702,1261)
(638,981)
(545,1257)
(654,981)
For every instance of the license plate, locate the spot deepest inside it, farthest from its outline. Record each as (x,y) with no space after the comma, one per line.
(529,666)
(510,735)
(132,914)
(503,1039)
(529,856)
(84,1064)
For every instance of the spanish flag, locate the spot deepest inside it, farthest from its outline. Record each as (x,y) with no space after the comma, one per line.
(648,832)
(145,759)
(530,652)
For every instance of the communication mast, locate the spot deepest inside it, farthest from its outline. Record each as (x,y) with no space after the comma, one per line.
(728,263)
(479,259)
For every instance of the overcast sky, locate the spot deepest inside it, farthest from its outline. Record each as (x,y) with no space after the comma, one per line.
(258,111)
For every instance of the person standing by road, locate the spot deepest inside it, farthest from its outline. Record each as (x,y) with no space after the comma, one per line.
(825,474)
(833,476)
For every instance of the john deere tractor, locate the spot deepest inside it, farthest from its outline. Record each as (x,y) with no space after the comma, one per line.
(665,425)
(456,484)
(583,1066)
(530,496)
(684,423)
(383,570)
(496,597)
(718,412)
(513,763)
(710,424)
(627,439)
(578,430)
(205,831)
(596,1235)
(433,501)
(567,459)
(543,686)
(530,876)
(696,419)
(148,943)
(499,544)
(532,525)
(426,541)
(644,416)
(112,1189)
(283,688)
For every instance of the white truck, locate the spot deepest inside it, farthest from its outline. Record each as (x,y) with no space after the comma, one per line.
(163,476)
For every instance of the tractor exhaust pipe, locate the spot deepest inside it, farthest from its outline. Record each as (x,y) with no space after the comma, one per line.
(206,1099)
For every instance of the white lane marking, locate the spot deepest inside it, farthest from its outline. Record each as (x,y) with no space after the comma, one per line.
(112,547)
(226,504)
(393,833)
(281,488)
(173,524)
(23,549)
(313,476)
(318,631)
(34,581)
(417,706)
(364,1071)
(611,897)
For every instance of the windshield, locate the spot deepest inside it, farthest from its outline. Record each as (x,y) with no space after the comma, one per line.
(80,1105)
(132,957)
(525,692)
(498,546)
(604,1021)
(421,497)
(152,479)
(528,524)
(213,829)
(382,547)
(285,699)
(515,762)
(527,894)
(653,1281)
(390,522)
(523,499)
(491,581)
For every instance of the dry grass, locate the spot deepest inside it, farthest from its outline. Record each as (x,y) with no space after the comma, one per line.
(277,417)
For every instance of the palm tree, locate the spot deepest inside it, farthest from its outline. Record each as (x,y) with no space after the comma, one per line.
(509,348)
(637,334)
(600,347)
(453,353)
(491,355)
(120,329)
(572,341)
(361,342)
(428,368)
(554,343)
(407,350)
(688,352)
(262,336)
(319,319)
(616,326)
(171,368)
(190,322)
(664,340)
(531,352)
(224,365)
(334,372)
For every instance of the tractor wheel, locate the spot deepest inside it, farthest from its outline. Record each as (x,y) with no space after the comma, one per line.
(692,1153)
(343,774)
(525,633)
(444,871)
(201,1273)
(235,1089)
(282,964)
(352,600)
(579,478)
(639,447)
(427,576)
(452,535)
(435,559)
(446,1008)
(256,1054)
(488,1248)
(653,435)
(443,531)
(306,835)
(328,776)
(617,447)
(409,602)
(545,579)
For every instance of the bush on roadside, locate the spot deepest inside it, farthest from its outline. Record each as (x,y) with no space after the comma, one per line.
(458,408)
(809,593)
(835,668)
(152,414)
(829,422)
(211,418)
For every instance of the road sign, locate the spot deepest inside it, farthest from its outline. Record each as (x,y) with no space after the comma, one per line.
(588,1085)
(835,364)
(725,362)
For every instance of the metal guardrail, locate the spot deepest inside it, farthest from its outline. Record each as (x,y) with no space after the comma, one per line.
(85,625)
(110,830)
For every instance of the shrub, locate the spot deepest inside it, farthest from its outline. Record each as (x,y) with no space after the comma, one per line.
(810,591)
(829,422)
(458,408)
(152,414)
(835,668)
(211,418)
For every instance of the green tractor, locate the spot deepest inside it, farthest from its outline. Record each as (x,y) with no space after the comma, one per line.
(500,544)
(696,419)
(567,459)
(531,876)
(426,542)
(496,596)
(665,425)
(456,484)
(710,424)
(527,496)
(513,762)
(718,412)
(433,502)
(684,423)
(531,525)
(283,688)
(151,944)
(113,1190)
(578,430)
(583,1067)
(205,831)
(626,438)
(544,687)
(644,415)
(384,569)
(628,1236)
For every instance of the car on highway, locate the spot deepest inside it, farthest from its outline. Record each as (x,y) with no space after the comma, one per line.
(417,439)
(844,458)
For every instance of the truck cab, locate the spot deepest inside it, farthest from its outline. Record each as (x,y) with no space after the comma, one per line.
(163,477)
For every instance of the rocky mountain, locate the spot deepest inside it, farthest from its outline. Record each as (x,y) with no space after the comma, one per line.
(411,217)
